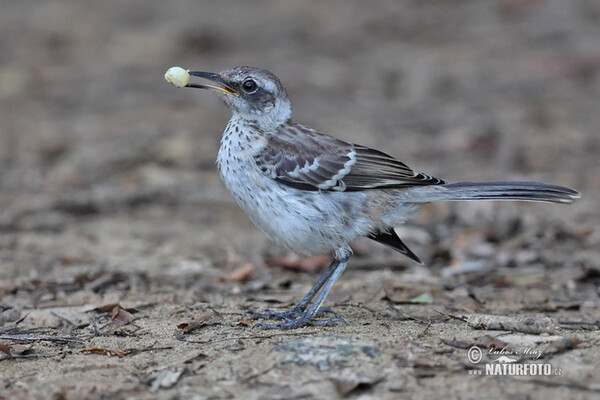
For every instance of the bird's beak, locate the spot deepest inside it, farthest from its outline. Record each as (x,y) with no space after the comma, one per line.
(220,85)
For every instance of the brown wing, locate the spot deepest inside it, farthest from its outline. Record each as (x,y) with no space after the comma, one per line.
(305,159)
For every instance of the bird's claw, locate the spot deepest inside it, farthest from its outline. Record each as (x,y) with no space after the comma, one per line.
(297,323)
(270,314)
(294,318)
(295,313)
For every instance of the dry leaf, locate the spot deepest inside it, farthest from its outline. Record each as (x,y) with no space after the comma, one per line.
(72,260)
(5,348)
(198,356)
(488,342)
(241,274)
(308,264)
(405,298)
(561,345)
(110,308)
(120,316)
(206,320)
(457,343)
(20,349)
(109,352)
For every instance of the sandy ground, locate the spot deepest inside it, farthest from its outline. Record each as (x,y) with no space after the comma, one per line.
(125,266)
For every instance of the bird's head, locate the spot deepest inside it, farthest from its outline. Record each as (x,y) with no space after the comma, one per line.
(251,93)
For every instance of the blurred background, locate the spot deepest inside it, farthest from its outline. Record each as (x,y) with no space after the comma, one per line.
(105,164)
(109,192)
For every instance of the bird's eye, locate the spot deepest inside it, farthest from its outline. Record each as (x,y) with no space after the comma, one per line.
(249,86)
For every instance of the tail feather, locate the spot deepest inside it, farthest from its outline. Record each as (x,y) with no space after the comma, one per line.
(392,240)
(524,191)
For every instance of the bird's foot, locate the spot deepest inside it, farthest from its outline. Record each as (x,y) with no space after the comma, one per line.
(300,322)
(294,313)
(294,318)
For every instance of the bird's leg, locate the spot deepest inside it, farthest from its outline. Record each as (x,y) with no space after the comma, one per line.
(316,287)
(297,311)
(297,317)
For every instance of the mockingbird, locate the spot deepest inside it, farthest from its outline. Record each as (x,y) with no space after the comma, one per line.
(313,193)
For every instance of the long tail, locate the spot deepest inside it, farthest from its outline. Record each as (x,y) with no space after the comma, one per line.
(525,191)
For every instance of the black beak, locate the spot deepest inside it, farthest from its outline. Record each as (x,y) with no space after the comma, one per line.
(211,76)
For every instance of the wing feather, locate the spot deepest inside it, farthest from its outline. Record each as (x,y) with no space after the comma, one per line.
(303,158)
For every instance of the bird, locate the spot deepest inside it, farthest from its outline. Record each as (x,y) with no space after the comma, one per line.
(314,194)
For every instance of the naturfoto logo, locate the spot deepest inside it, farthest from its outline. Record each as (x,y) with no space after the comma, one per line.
(511,362)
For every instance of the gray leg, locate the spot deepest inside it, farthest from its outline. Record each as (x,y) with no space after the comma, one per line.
(339,269)
(298,311)
(313,291)
(296,318)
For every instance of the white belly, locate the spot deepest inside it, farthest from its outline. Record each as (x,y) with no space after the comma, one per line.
(302,221)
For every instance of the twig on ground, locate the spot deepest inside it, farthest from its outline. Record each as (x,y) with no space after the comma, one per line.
(514,324)
(31,336)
